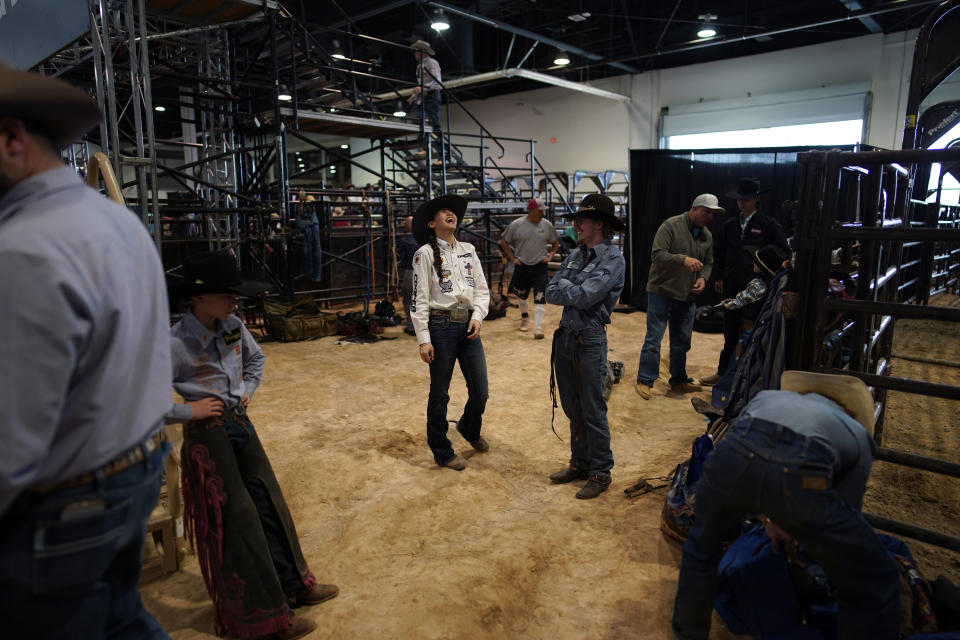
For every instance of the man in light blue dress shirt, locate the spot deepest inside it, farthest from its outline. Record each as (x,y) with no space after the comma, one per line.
(587,285)
(85,371)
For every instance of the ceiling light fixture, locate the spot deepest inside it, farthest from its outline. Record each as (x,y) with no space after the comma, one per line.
(284,96)
(337,51)
(438,21)
(400,111)
(579,17)
(706,29)
(160,108)
(344,146)
(561,59)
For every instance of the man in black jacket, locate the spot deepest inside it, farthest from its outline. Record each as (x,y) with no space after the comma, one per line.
(734,246)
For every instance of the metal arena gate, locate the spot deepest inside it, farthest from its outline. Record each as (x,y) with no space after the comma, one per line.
(858,221)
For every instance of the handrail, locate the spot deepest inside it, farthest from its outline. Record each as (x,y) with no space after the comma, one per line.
(99,165)
(546,174)
(504,176)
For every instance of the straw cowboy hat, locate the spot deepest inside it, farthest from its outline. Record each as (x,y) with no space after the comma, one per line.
(428,209)
(849,392)
(213,272)
(62,111)
(599,207)
(422,45)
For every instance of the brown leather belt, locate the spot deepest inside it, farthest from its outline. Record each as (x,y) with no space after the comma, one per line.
(455,315)
(134,456)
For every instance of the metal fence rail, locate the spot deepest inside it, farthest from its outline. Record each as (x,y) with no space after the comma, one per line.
(859,226)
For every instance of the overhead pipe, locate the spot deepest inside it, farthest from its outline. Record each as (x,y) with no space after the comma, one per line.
(505,74)
(497,24)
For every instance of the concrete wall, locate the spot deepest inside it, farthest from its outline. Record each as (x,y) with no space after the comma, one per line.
(595,134)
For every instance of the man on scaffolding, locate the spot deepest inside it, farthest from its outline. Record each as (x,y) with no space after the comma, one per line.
(426,94)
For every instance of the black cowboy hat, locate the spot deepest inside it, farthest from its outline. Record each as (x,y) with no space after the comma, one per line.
(746,188)
(213,272)
(770,258)
(598,207)
(428,209)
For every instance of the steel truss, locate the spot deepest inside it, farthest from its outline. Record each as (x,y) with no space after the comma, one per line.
(213,169)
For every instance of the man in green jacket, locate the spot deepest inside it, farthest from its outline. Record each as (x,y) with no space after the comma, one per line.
(681,259)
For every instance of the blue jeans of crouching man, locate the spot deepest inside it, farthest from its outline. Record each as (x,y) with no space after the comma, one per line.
(70,559)
(580,358)
(451,345)
(679,315)
(763,467)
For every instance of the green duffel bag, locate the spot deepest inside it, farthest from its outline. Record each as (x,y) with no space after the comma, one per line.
(301,305)
(303,327)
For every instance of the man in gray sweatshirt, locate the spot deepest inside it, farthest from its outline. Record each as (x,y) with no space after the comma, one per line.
(681,260)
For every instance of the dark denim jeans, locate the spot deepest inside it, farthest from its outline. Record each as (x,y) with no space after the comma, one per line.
(70,559)
(312,256)
(581,364)
(763,467)
(431,112)
(732,334)
(451,345)
(679,314)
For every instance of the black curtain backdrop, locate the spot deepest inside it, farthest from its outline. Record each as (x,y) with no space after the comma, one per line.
(664,183)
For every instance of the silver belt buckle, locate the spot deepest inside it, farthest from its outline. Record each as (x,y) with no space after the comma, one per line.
(459,315)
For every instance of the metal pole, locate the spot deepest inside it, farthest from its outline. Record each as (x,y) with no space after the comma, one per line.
(533,175)
(111,91)
(151,134)
(136,105)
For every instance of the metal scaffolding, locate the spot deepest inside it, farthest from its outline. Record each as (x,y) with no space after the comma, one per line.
(205,105)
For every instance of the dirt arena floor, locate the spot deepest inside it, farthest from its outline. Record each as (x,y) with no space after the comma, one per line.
(496,551)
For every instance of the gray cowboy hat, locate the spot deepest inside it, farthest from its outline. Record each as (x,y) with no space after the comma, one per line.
(428,209)
(423,45)
(598,207)
(62,111)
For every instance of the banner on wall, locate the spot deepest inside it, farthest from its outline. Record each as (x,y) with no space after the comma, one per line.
(33,30)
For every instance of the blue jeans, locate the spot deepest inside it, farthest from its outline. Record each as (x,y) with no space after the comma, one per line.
(679,314)
(431,111)
(312,266)
(580,358)
(763,467)
(70,559)
(451,345)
